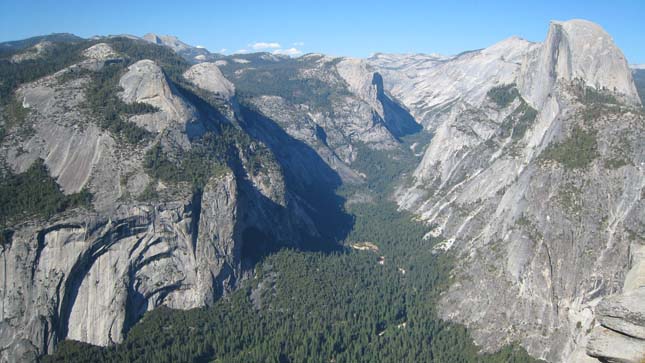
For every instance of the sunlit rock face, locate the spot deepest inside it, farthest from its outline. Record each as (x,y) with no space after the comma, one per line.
(537,248)
(576,49)
(208,77)
(431,85)
(89,275)
(620,334)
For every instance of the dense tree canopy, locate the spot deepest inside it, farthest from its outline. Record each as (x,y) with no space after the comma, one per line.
(33,193)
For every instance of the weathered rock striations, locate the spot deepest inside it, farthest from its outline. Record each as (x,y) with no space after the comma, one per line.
(90,278)
(430,85)
(620,335)
(576,49)
(89,275)
(512,186)
(145,82)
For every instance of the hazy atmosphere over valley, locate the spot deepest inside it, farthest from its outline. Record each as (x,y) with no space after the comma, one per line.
(292,182)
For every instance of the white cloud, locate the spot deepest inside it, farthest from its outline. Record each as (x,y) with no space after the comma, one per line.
(298,44)
(223,50)
(200,47)
(264,45)
(241,51)
(289,52)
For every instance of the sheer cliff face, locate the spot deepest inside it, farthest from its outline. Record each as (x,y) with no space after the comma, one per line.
(90,278)
(539,195)
(576,49)
(431,85)
(90,275)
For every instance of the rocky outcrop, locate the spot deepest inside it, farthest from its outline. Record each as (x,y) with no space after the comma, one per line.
(624,313)
(31,53)
(361,82)
(91,277)
(145,82)
(576,49)
(615,347)
(76,151)
(431,85)
(367,84)
(169,41)
(620,335)
(70,146)
(100,51)
(208,77)
(499,187)
(188,52)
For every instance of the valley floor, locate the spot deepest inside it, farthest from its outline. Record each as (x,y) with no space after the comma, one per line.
(350,305)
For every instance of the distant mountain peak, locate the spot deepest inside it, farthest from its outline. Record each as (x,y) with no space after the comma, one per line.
(30,42)
(193,54)
(577,49)
(170,41)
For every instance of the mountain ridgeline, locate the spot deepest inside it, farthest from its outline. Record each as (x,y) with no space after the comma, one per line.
(164,203)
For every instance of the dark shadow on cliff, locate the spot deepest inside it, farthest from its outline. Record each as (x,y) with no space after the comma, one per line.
(308,178)
(210,117)
(267,226)
(397,119)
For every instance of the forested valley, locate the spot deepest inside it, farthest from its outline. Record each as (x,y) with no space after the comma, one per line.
(371,303)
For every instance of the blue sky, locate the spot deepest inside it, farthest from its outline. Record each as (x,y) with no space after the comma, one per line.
(337,27)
